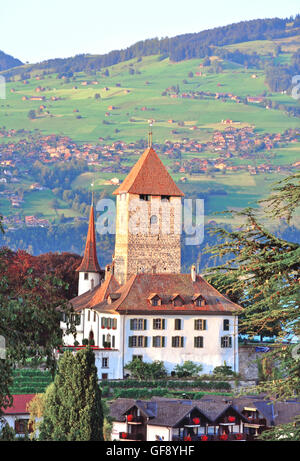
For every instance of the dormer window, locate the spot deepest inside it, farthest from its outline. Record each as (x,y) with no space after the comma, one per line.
(198,300)
(177,300)
(113,297)
(155,299)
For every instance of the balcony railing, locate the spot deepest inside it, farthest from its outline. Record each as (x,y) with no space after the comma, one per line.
(212,438)
(132,419)
(126,436)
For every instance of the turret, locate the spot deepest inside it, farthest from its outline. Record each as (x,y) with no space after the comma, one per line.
(89,269)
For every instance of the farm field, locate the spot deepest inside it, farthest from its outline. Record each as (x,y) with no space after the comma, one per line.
(138,98)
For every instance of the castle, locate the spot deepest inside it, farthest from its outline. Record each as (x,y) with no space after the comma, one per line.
(141,305)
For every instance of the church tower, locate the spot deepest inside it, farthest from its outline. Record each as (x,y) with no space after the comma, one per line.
(89,269)
(148,224)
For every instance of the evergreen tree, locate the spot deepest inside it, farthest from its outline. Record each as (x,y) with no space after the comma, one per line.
(73,409)
(262,272)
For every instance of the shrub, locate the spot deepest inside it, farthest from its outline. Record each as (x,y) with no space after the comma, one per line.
(188,368)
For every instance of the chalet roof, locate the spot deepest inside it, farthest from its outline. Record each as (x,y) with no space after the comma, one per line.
(89,262)
(135,294)
(169,412)
(149,176)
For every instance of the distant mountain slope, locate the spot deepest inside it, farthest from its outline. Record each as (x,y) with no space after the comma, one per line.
(178,48)
(7,61)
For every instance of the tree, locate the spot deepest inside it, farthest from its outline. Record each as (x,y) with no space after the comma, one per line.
(144,370)
(30,320)
(31,114)
(73,409)
(188,369)
(262,272)
(36,410)
(283,433)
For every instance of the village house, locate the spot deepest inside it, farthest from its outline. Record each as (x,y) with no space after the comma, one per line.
(17,416)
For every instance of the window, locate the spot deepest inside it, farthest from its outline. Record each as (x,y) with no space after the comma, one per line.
(226,341)
(177,325)
(86,276)
(198,341)
(177,341)
(165,198)
(158,341)
(113,342)
(153,219)
(144,197)
(89,315)
(200,302)
(159,324)
(137,357)
(77,319)
(104,362)
(95,316)
(137,341)
(226,324)
(21,426)
(138,324)
(155,300)
(200,324)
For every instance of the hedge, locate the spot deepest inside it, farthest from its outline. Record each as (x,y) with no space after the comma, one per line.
(144,393)
(131,383)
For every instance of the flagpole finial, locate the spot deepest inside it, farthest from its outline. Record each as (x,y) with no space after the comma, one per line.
(92,185)
(150,134)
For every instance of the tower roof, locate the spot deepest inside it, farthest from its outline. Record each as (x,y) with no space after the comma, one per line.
(149,176)
(89,261)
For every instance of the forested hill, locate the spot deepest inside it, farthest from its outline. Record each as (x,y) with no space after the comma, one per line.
(178,48)
(7,61)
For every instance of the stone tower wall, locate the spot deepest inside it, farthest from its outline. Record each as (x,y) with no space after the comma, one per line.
(147,236)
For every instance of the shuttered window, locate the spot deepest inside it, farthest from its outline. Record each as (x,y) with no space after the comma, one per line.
(138,341)
(200,324)
(159,324)
(226,341)
(177,341)
(158,341)
(198,341)
(138,324)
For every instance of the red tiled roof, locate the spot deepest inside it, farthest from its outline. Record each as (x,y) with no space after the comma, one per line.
(150,177)
(99,294)
(89,262)
(20,403)
(135,294)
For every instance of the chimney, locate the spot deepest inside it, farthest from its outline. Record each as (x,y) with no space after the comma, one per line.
(193,273)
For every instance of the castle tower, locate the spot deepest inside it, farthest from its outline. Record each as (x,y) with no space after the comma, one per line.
(89,269)
(148,224)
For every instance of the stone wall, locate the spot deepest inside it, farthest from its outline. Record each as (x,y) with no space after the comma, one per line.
(247,361)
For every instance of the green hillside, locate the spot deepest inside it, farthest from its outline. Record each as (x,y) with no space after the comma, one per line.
(143,89)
